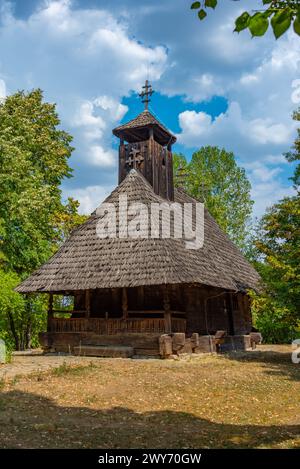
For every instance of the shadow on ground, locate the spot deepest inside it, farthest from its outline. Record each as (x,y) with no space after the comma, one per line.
(31,421)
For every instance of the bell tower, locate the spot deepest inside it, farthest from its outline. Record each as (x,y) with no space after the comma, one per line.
(146,145)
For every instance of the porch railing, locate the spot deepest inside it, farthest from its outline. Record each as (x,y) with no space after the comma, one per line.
(114,326)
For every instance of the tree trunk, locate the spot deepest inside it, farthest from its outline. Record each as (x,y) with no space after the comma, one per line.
(28,334)
(28,327)
(13,330)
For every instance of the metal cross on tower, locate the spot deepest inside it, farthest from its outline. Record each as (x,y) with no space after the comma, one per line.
(146,93)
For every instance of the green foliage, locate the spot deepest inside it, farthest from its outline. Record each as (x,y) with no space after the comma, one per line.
(11,303)
(20,318)
(280,14)
(214,177)
(294,154)
(34,154)
(273,319)
(33,162)
(277,311)
(276,255)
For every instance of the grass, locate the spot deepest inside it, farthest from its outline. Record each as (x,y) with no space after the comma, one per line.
(68,369)
(249,400)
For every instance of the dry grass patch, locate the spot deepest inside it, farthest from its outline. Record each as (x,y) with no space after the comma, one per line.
(235,401)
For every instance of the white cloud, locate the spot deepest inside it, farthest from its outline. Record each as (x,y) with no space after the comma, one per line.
(2,89)
(98,156)
(267,187)
(86,119)
(276,159)
(115,109)
(231,130)
(86,60)
(248,79)
(265,194)
(265,131)
(94,120)
(89,197)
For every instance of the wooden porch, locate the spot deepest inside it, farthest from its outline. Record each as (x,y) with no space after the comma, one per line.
(111,326)
(92,317)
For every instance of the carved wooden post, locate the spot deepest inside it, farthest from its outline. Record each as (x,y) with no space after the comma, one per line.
(124,303)
(167,314)
(50,312)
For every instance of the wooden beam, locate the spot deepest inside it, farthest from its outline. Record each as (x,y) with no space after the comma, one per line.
(87,303)
(70,311)
(50,312)
(230,314)
(167,311)
(124,303)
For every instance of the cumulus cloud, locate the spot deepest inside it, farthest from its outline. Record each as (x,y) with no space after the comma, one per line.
(2,89)
(250,141)
(257,125)
(89,197)
(232,130)
(98,156)
(86,60)
(94,120)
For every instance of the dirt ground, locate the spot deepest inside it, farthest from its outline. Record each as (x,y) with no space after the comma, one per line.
(240,400)
(24,364)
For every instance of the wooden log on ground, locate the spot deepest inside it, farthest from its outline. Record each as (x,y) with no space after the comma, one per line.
(206,344)
(178,341)
(165,346)
(255,339)
(194,341)
(187,348)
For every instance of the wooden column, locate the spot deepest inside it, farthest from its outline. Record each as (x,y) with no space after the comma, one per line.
(124,303)
(229,308)
(50,312)
(122,161)
(87,303)
(167,310)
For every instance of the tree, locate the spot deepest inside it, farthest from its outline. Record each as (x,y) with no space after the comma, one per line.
(294,154)
(12,305)
(276,255)
(214,177)
(34,154)
(280,14)
(33,162)
(277,311)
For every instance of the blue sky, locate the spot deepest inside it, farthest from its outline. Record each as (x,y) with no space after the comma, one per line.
(213,87)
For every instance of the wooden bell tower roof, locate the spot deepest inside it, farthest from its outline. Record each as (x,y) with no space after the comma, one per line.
(137,130)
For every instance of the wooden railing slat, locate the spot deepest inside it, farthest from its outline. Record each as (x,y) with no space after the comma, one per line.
(114,326)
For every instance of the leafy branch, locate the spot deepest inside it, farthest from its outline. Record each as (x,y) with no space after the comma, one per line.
(281,15)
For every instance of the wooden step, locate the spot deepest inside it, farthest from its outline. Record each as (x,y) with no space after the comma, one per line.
(120,351)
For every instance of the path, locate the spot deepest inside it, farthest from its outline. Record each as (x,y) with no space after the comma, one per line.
(26,364)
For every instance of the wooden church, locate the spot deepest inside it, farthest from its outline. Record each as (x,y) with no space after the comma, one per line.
(145,295)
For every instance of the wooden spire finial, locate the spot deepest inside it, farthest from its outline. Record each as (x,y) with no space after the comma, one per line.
(146,93)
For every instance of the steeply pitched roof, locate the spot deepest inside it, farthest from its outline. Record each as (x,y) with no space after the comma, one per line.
(86,261)
(144,119)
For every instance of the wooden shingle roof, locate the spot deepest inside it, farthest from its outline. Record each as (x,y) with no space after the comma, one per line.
(135,129)
(86,261)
